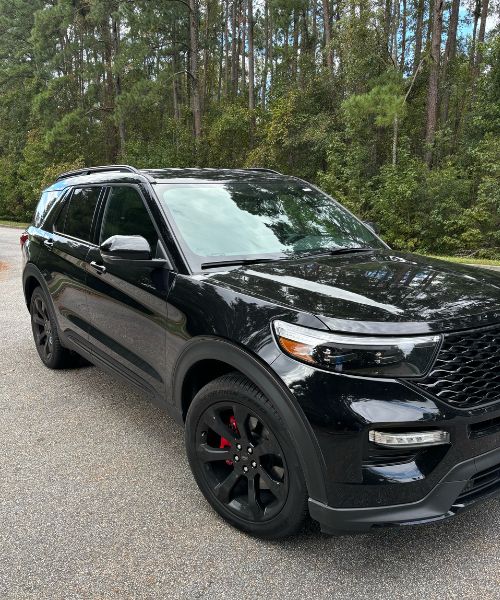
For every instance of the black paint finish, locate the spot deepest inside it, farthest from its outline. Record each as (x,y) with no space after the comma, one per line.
(158,326)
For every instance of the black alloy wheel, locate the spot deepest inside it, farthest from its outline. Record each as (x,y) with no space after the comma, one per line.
(42,329)
(243,460)
(45,334)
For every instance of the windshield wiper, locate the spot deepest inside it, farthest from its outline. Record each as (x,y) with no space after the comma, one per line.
(348,250)
(237,262)
(334,251)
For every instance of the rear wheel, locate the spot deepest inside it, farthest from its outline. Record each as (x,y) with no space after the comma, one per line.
(44,328)
(244,460)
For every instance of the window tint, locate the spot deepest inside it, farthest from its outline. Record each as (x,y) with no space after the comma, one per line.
(61,216)
(81,211)
(46,202)
(126,215)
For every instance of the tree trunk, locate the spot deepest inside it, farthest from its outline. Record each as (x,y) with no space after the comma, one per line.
(395,25)
(227,72)
(451,40)
(403,39)
(243,28)
(266,56)
(295,50)
(395,130)
(482,31)
(477,14)
(419,28)
(193,52)
(449,55)
(429,25)
(432,96)
(251,59)
(387,26)
(234,49)
(327,23)
(175,80)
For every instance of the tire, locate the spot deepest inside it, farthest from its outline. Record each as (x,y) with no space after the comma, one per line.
(44,328)
(244,460)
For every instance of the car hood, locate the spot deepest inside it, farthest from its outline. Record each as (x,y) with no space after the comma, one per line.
(378,291)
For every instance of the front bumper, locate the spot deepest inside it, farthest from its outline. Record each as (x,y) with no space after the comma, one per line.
(366,485)
(468,482)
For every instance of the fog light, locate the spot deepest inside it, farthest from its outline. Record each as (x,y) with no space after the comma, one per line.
(409,439)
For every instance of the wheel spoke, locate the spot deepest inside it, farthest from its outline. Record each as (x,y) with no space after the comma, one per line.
(39,307)
(241,416)
(214,421)
(38,320)
(223,489)
(208,454)
(46,346)
(42,336)
(276,488)
(253,503)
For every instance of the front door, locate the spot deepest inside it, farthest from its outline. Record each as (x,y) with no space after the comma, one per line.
(127,303)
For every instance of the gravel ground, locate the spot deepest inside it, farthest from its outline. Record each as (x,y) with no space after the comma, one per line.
(97,502)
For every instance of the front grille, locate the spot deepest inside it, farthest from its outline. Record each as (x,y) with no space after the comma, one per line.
(483,484)
(466,373)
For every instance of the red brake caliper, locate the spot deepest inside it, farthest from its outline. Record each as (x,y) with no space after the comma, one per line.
(225,443)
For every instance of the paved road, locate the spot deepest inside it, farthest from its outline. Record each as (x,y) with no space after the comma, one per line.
(97,502)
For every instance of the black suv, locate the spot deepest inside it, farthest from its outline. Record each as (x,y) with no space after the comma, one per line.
(315,369)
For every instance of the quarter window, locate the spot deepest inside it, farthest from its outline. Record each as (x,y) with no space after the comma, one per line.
(79,213)
(126,214)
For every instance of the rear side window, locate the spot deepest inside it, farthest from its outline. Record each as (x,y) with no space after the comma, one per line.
(47,200)
(78,213)
(126,214)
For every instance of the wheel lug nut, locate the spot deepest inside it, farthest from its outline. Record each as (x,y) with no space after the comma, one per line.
(254,464)
(236,458)
(250,450)
(245,468)
(238,446)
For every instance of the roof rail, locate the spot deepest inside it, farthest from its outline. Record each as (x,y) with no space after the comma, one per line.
(263,169)
(103,169)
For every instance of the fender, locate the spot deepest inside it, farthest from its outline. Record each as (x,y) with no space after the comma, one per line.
(305,442)
(30,270)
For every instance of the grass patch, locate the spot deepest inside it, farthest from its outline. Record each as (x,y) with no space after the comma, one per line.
(467,260)
(14,224)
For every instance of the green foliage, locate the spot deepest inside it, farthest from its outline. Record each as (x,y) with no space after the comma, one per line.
(85,82)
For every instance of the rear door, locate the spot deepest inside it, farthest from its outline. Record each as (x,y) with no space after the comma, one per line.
(128,304)
(62,260)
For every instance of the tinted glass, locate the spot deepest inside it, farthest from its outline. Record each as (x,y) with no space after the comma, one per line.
(61,216)
(46,202)
(259,219)
(126,214)
(81,211)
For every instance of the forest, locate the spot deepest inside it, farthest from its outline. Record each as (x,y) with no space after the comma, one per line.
(390,106)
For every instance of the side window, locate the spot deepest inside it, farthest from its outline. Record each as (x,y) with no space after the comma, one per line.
(80,211)
(126,214)
(47,200)
(58,224)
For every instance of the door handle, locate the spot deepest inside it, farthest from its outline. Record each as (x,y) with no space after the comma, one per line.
(99,268)
(48,244)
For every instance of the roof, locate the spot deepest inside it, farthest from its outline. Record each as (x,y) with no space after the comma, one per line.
(192,174)
(128,174)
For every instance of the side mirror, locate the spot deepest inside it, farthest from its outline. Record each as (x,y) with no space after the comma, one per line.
(126,247)
(373,226)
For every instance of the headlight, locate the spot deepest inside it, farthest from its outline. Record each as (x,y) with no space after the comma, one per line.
(409,356)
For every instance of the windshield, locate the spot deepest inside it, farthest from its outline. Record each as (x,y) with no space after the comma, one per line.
(222,221)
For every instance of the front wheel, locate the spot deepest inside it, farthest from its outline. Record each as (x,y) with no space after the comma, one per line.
(243,458)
